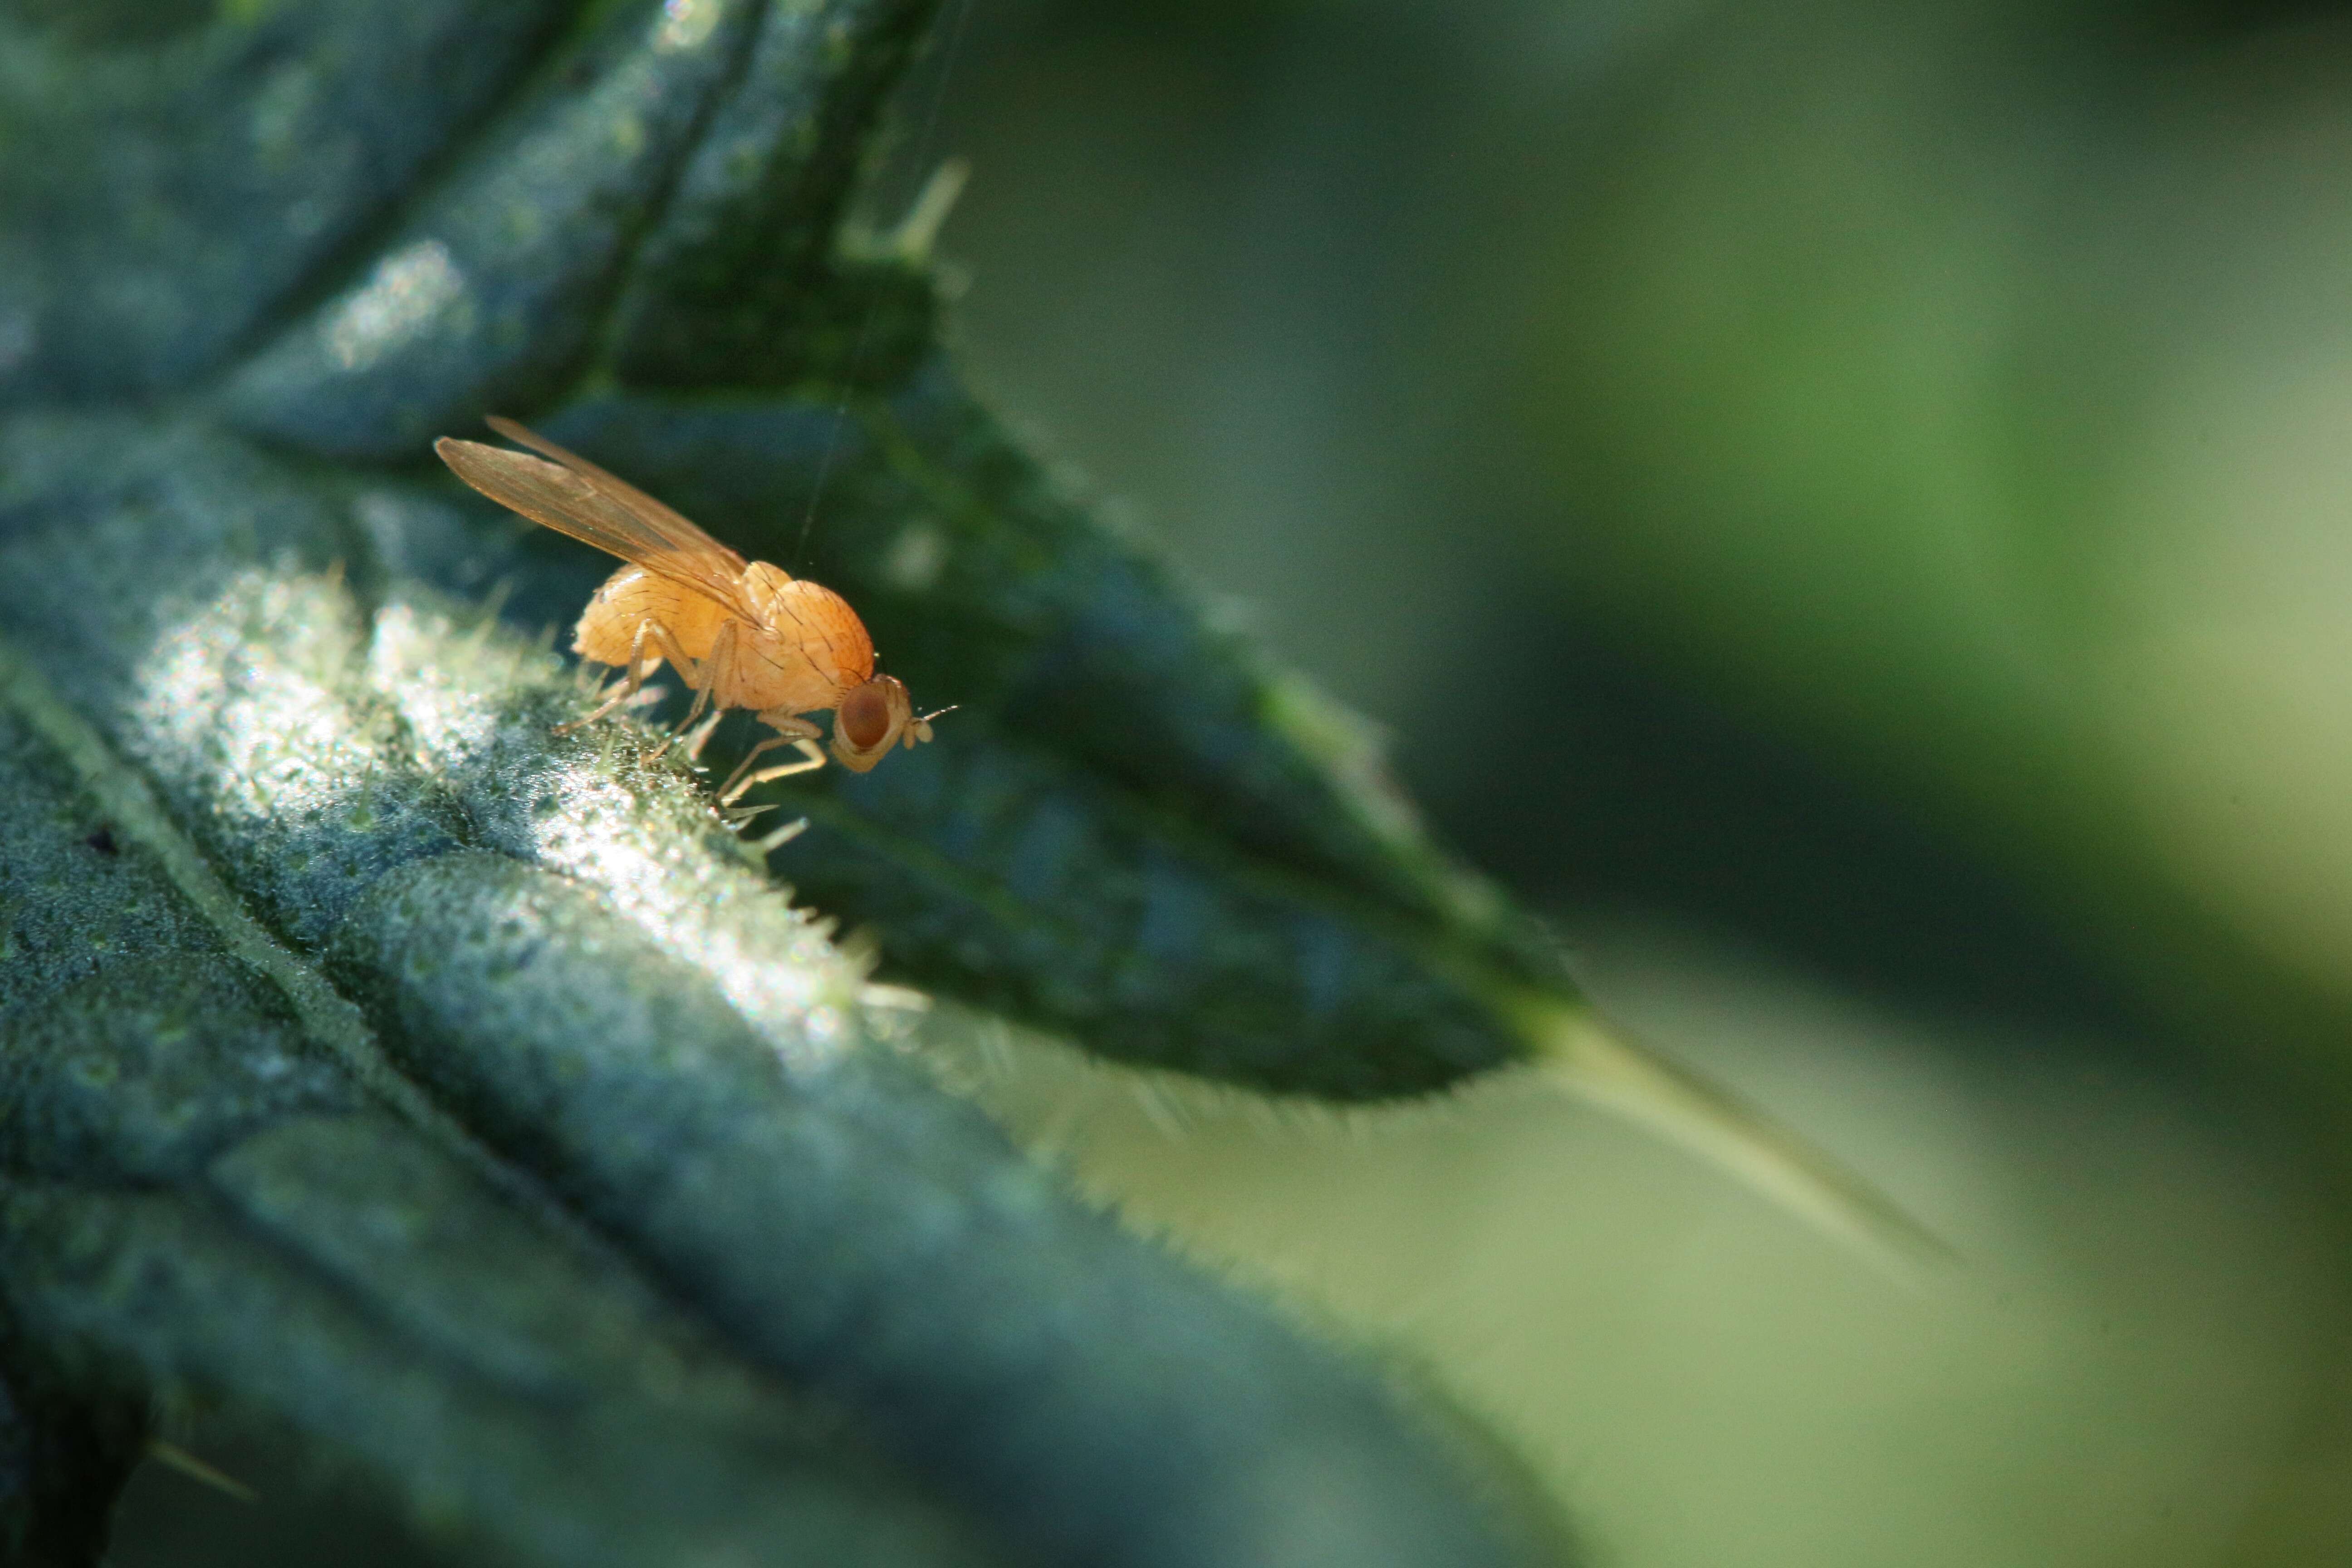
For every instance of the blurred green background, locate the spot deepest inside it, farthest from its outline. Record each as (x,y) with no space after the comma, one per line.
(1849,509)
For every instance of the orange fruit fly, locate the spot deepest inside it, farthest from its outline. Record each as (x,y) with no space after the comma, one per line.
(741,633)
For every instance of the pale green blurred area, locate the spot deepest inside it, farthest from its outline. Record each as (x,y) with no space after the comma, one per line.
(2120,1368)
(1850,510)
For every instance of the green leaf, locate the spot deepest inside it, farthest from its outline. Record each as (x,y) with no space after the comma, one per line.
(203,1202)
(470,1101)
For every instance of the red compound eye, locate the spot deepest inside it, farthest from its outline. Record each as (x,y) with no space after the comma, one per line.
(865,717)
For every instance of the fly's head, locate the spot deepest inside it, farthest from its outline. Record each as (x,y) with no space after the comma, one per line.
(874,716)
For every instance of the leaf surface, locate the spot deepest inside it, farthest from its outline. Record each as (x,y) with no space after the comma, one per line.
(472,1101)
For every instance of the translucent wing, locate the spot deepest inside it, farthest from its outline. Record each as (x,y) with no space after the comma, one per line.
(670,522)
(576,497)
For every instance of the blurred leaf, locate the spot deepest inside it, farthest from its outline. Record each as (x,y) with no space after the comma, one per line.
(467,1099)
(1963,391)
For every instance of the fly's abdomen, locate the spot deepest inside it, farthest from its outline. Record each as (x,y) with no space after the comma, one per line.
(630,597)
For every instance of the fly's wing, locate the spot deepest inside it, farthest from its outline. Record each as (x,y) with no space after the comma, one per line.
(662,517)
(591,506)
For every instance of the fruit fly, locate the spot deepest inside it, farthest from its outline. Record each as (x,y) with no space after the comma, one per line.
(742,634)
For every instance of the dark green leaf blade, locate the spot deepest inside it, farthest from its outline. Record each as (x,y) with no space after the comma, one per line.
(497,287)
(492,288)
(745,262)
(175,172)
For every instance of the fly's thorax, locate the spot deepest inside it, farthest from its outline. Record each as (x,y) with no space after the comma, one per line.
(762,581)
(767,671)
(818,622)
(633,595)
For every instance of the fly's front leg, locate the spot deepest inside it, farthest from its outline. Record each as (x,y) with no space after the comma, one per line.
(812,759)
(798,733)
(633,674)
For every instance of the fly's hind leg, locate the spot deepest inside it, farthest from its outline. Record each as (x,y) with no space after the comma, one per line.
(798,733)
(634,673)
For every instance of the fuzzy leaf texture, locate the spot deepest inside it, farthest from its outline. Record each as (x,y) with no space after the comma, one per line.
(475,1103)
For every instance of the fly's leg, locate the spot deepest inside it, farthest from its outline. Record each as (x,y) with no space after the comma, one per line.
(812,759)
(633,674)
(632,677)
(798,733)
(722,650)
(784,834)
(701,738)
